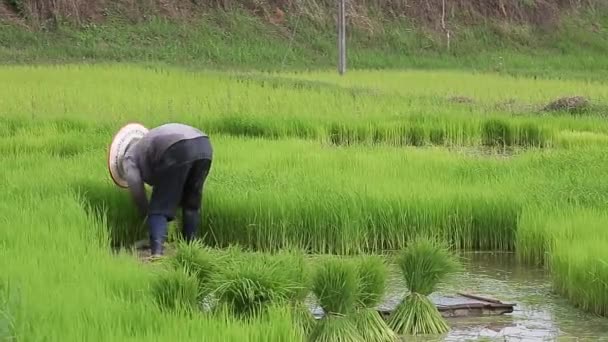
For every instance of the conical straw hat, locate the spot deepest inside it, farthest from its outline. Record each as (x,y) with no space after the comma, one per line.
(121,141)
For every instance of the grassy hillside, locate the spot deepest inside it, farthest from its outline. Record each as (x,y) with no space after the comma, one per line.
(550,38)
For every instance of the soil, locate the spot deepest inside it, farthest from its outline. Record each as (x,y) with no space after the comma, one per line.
(143,254)
(572,104)
(461,99)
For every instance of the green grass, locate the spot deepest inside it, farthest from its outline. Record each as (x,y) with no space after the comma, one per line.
(306,40)
(571,242)
(67,286)
(283,183)
(417,112)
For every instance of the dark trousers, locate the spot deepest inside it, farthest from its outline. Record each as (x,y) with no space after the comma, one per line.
(179,181)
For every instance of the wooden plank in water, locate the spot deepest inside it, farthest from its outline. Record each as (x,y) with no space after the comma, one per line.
(465,305)
(458,305)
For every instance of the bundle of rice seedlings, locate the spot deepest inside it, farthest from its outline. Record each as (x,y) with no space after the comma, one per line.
(424,264)
(249,285)
(298,272)
(335,285)
(194,258)
(176,289)
(372,273)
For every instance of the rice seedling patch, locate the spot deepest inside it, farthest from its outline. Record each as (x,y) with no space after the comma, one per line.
(321,169)
(115,209)
(497,132)
(7,319)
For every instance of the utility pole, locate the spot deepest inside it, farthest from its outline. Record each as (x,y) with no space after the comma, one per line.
(341,37)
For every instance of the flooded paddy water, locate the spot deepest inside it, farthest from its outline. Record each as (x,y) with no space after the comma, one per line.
(539,314)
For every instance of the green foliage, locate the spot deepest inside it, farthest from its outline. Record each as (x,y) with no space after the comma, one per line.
(415,136)
(425,263)
(239,40)
(176,289)
(296,190)
(529,134)
(7,324)
(497,132)
(437,136)
(372,273)
(193,258)
(252,283)
(570,243)
(335,284)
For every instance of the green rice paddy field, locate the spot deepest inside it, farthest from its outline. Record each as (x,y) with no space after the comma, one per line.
(329,164)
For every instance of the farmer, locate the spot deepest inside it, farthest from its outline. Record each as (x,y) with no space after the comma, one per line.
(175,160)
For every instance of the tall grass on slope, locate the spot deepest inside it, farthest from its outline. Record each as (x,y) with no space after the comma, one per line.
(372,273)
(335,286)
(425,263)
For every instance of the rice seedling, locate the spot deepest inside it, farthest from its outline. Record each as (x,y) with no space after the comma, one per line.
(252,109)
(498,133)
(298,270)
(194,259)
(7,323)
(335,285)
(424,264)
(102,201)
(580,272)
(372,274)
(62,213)
(249,284)
(176,289)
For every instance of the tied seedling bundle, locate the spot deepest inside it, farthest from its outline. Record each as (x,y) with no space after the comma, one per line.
(251,283)
(424,264)
(198,262)
(176,289)
(372,273)
(335,284)
(298,271)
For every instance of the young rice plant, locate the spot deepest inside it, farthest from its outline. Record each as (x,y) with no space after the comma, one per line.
(424,264)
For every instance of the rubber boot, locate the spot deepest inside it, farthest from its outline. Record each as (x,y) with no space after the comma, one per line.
(157,225)
(191,220)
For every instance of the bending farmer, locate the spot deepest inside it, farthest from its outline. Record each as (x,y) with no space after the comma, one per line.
(175,160)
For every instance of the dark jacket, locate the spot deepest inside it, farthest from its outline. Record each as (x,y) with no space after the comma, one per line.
(143,160)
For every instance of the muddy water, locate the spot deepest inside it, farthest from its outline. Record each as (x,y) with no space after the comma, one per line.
(540,315)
